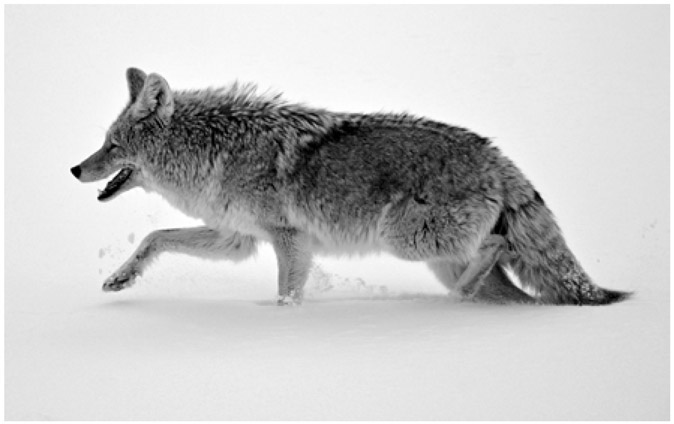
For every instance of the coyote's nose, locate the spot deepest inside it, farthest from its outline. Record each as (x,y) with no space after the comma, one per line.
(77,171)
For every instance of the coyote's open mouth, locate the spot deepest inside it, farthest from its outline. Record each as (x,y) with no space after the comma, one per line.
(115,185)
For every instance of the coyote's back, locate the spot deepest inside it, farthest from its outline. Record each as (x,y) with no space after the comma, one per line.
(310,180)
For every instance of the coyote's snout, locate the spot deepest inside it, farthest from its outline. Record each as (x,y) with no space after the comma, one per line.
(76,171)
(102,164)
(256,168)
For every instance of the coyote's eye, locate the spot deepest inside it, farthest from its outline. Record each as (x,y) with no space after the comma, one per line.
(115,144)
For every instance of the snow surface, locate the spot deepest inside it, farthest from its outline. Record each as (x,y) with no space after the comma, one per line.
(203,340)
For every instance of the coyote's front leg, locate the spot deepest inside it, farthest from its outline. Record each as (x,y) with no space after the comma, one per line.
(294,260)
(199,241)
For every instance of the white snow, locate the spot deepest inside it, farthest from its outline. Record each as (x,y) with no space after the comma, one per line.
(201,340)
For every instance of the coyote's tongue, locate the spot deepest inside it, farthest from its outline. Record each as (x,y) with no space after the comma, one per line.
(113,186)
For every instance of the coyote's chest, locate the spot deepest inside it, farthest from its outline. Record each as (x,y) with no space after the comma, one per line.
(214,210)
(237,218)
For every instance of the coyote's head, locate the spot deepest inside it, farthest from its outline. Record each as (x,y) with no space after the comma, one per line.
(129,139)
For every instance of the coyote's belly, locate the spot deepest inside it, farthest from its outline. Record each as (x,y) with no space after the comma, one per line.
(348,236)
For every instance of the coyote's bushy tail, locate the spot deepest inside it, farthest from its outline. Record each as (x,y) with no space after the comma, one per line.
(542,260)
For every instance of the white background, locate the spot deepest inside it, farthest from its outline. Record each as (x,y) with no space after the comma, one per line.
(577,96)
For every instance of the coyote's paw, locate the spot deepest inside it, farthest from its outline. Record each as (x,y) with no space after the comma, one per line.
(119,281)
(469,291)
(292,299)
(287,301)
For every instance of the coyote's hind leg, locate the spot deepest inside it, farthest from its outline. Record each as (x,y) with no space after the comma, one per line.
(488,255)
(199,241)
(498,288)
(481,279)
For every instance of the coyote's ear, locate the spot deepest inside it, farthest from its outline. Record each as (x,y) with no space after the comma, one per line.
(154,98)
(135,78)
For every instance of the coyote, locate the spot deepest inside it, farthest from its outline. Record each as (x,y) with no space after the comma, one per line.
(257,168)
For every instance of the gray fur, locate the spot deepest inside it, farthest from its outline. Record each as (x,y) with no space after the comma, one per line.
(254,167)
